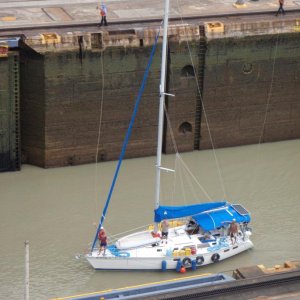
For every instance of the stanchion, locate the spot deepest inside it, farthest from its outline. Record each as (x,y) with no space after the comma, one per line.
(26,295)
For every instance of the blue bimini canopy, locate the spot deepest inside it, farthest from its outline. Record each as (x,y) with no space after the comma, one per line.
(213,219)
(174,212)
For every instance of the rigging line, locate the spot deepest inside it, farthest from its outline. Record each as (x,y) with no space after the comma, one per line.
(270,91)
(176,152)
(174,144)
(190,183)
(99,134)
(175,179)
(181,182)
(126,140)
(195,179)
(204,112)
(179,156)
(101,109)
(171,130)
(179,167)
(176,147)
(173,90)
(258,163)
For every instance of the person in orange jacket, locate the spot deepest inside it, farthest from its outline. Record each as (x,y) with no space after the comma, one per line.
(102,240)
(103,13)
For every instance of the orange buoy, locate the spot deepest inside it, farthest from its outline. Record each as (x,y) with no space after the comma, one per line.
(182,269)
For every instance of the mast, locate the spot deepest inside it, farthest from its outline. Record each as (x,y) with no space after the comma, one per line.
(161,106)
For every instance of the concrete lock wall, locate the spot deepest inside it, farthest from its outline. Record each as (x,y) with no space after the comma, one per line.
(32,107)
(251,90)
(73,95)
(239,79)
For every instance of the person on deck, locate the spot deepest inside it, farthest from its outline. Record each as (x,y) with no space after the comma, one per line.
(164,229)
(102,240)
(103,13)
(233,231)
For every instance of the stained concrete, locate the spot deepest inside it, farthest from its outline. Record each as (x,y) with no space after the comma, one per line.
(247,67)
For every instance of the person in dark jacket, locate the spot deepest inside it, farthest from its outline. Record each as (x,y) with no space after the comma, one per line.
(280,9)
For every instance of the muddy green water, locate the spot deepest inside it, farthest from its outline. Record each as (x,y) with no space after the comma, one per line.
(55,210)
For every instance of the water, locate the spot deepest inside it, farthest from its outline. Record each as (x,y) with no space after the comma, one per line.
(55,210)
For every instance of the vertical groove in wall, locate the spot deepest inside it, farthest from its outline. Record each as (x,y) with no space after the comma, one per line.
(9,114)
(4,115)
(200,78)
(16,111)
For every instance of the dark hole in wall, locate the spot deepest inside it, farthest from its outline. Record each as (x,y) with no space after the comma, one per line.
(187,71)
(247,68)
(185,127)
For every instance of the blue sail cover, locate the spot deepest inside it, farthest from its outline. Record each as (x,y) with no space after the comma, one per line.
(221,217)
(173,212)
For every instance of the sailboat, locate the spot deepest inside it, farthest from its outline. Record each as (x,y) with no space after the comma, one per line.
(197,234)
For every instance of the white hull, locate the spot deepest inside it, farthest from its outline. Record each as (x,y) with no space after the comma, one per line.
(162,256)
(155,263)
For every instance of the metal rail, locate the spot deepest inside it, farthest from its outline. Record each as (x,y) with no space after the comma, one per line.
(276,281)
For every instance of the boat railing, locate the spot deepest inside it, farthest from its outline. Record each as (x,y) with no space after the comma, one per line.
(115,237)
(150,227)
(172,224)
